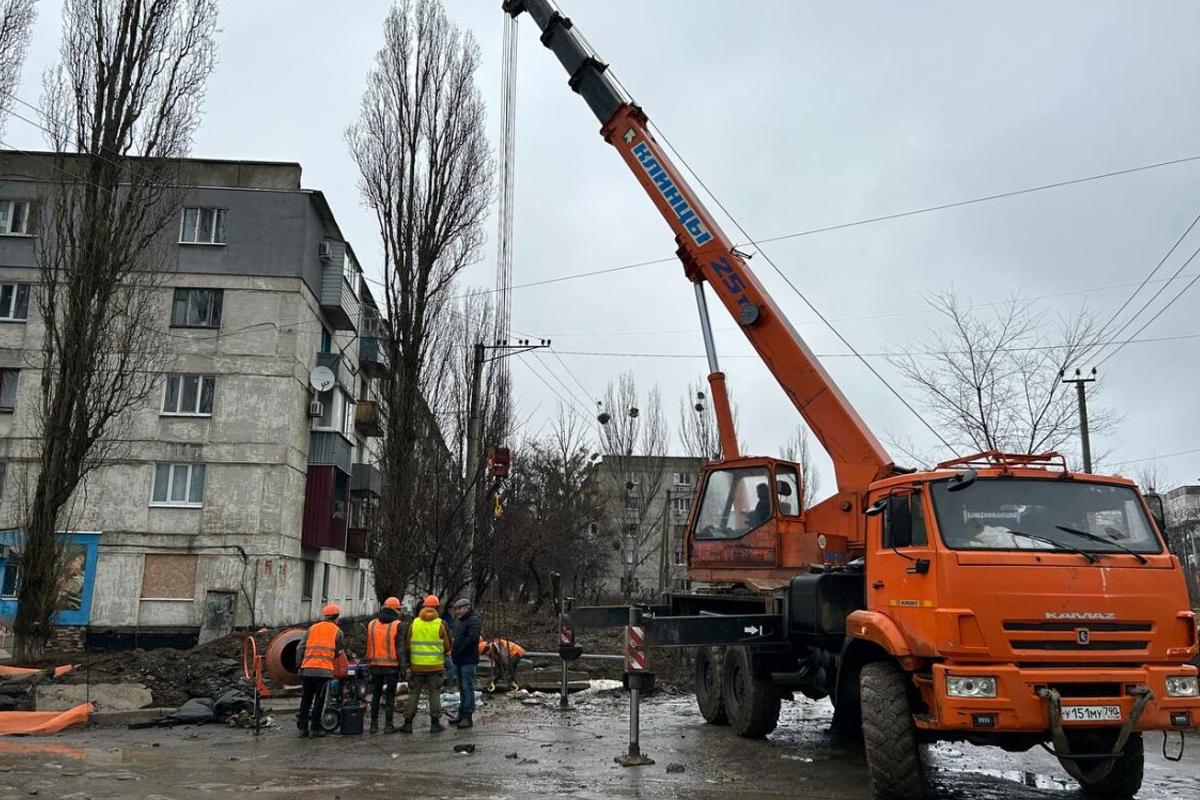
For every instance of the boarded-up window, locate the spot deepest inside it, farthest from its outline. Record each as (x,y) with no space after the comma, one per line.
(169,577)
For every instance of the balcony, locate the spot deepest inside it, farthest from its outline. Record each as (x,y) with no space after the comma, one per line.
(338,301)
(372,356)
(366,479)
(325,509)
(358,543)
(368,419)
(341,370)
(330,448)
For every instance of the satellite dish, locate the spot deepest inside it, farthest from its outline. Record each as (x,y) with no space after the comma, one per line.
(322,379)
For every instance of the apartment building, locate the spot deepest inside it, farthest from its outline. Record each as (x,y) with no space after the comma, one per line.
(645,499)
(244,494)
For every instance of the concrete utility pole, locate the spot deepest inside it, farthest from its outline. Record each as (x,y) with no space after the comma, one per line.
(473,468)
(1079,380)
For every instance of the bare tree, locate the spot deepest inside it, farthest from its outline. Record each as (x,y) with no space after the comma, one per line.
(633,441)
(426,172)
(120,109)
(798,451)
(990,379)
(16,22)
(698,434)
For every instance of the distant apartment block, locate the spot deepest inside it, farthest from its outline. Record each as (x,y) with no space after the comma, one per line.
(244,496)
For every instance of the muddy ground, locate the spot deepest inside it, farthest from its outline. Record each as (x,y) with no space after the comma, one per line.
(524,751)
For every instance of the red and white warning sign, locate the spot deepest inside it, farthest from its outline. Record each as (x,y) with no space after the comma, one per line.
(635,648)
(566,636)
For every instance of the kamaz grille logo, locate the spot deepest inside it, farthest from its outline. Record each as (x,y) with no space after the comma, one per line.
(666,187)
(1081,616)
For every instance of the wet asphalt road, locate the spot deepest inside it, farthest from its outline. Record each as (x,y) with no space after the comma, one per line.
(523,752)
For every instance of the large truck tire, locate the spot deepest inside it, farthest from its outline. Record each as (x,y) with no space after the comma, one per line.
(889,735)
(751,701)
(1125,778)
(709,686)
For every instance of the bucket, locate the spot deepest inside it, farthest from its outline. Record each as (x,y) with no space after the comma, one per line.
(352,718)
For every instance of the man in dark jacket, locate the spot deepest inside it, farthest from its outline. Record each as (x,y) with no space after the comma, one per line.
(465,655)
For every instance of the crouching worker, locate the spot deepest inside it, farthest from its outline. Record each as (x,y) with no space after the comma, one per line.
(428,645)
(316,654)
(385,643)
(505,657)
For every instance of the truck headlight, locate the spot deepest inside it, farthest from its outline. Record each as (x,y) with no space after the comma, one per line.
(1183,686)
(962,686)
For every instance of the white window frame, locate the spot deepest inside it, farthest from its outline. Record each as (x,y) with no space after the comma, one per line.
(350,272)
(682,478)
(340,408)
(216,224)
(216,308)
(6,226)
(681,505)
(174,468)
(9,313)
(201,380)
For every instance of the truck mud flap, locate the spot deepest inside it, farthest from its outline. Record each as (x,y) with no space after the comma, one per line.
(1071,761)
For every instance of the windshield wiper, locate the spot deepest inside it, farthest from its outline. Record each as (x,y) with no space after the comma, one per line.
(1057,545)
(1096,538)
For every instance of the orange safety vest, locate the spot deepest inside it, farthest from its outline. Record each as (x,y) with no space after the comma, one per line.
(381,644)
(320,646)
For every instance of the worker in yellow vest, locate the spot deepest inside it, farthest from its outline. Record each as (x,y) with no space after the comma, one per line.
(316,654)
(385,644)
(428,644)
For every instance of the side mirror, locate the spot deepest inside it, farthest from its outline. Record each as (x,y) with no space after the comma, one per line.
(898,523)
(876,508)
(1157,509)
(962,480)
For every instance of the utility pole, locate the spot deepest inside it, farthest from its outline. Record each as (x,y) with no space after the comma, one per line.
(664,565)
(472,469)
(1080,380)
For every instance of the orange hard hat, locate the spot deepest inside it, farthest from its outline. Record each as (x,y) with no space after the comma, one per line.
(331,610)
(392,603)
(431,602)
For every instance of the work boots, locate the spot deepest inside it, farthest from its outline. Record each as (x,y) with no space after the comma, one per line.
(465,721)
(388,727)
(375,725)
(304,733)
(435,725)
(319,733)
(406,727)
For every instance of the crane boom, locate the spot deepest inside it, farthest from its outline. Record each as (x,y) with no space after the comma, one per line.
(709,256)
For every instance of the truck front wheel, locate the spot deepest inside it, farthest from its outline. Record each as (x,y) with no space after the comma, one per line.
(709,695)
(889,735)
(1125,778)
(751,701)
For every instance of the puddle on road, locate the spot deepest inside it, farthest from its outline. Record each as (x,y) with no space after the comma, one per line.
(1032,780)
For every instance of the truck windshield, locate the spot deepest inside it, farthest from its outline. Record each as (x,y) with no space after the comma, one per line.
(1031,514)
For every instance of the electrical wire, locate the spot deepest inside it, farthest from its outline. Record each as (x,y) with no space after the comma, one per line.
(1154,458)
(566,388)
(1147,323)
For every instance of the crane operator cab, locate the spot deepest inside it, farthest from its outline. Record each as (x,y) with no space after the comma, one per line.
(748,512)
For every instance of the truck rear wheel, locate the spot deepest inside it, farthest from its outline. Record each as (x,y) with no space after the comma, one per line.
(889,735)
(709,695)
(751,702)
(1125,778)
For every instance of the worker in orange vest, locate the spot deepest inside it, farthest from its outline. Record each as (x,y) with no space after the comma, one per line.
(316,654)
(428,644)
(385,644)
(505,657)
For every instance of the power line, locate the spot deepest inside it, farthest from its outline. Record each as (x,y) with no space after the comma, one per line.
(1145,325)
(1154,458)
(914,353)
(558,380)
(571,372)
(568,405)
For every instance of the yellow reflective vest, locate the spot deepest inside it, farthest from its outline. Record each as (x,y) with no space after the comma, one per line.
(425,646)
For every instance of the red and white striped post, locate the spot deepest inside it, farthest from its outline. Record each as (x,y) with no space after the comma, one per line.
(635,671)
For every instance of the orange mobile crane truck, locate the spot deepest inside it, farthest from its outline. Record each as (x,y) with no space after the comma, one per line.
(1001,599)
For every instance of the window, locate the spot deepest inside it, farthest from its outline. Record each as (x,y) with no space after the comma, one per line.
(10,580)
(178,485)
(189,395)
(337,412)
(8,390)
(631,502)
(326,340)
(362,586)
(197,308)
(310,574)
(679,546)
(681,505)
(168,577)
(787,491)
(325,585)
(905,511)
(203,226)
(735,502)
(350,272)
(3,473)
(14,218)
(683,479)
(14,302)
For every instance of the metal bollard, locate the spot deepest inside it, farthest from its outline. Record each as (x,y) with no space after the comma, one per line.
(566,649)
(635,666)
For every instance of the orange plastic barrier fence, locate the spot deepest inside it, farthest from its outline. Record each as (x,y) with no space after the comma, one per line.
(33,723)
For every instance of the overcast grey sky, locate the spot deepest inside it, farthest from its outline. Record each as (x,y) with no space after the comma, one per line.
(799,115)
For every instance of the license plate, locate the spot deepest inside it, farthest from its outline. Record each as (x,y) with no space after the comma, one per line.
(1091,713)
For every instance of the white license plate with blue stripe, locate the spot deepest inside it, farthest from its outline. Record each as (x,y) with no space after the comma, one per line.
(1091,713)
